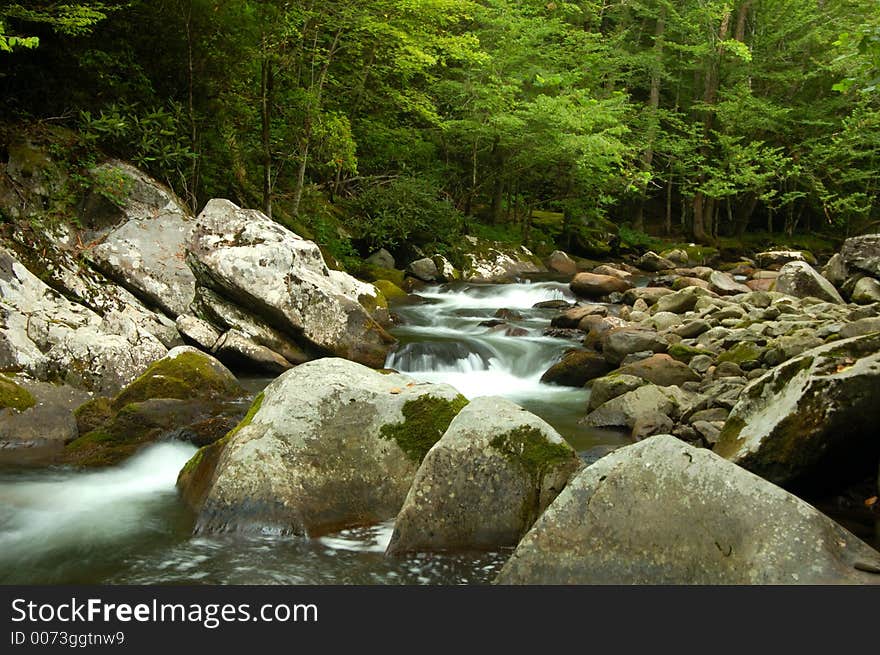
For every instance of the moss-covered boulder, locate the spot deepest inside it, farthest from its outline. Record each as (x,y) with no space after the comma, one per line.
(811,420)
(485,482)
(186,374)
(331,444)
(14,396)
(185,395)
(389,290)
(664,512)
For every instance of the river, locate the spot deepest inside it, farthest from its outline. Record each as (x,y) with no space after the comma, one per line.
(126,524)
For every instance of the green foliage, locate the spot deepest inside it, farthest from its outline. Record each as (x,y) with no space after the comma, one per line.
(408,209)
(631,239)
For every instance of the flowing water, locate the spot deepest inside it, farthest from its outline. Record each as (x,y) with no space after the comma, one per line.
(127,525)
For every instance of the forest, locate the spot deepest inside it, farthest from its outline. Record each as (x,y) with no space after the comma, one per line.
(389,123)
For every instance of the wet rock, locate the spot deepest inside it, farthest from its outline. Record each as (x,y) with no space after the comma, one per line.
(801,280)
(814,416)
(571,318)
(576,368)
(552,304)
(328,444)
(663,512)
(483,484)
(282,279)
(590,285)
(662,370)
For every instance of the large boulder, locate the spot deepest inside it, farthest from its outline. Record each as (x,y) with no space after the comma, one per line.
(801,280)
(183,394)
(663,512)
(493,472)
(423,269)
(328,444)
(280,277)
(662,370)
(866,291)
(617,343)
(576,368)
(641,404)
(862,254)
(146,253)
(49,337)
(591,285)
(778,258)
(495,262)
(724,284)
(560,262)
(813,418)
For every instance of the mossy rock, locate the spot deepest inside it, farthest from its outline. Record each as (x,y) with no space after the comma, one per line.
(530,447)
(93,414)
(425,421)
(390,290)
(14,396)
(685,353)
(372,273)
(184,374)
(744,351)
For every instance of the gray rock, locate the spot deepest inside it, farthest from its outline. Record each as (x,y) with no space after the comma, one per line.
(382,258)
(681,301)
(494,471)
(605,269)
(48,336)
(860,327)
(862,253)
(692,328)
(723,284)
(822,406)
(653,262)
(495,262)
(676,256)
(423,269)
(145,254)
(663,512)
(617,343)
(282,279)
(835,270)
(663,320)
(651,424)
(662,370)
(709,431)
(801,280)
(611,386)
(701,363)
(197,332)
(236,349)
(627,409)
(728,370)
(572,317)
(711,415)
(328,444)
(866,291)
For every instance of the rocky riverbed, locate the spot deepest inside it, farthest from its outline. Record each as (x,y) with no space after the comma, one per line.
(744,387)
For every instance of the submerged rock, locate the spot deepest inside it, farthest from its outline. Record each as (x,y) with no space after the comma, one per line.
(283,280)
(812,419)
(494,471)
(328,444)
(663,512)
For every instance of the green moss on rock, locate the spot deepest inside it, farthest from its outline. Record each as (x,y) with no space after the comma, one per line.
(531,449)
(425,420)
(187,376)
(390,290)
(14,396)
(685,353)
(744,351)
(93,414)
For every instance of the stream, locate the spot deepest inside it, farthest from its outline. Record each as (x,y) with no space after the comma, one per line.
(126,525)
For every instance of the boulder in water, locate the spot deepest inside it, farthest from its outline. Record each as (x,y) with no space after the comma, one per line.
(663,512)
(328,444)
(481,487)
(590,285)
(576,368)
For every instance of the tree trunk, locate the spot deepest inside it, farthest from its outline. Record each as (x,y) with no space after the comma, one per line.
(497,182)
(266,84)
(653,105)
(668,224)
